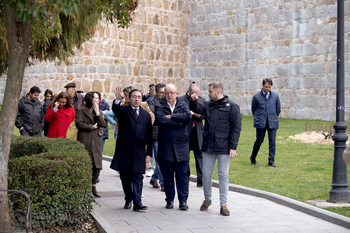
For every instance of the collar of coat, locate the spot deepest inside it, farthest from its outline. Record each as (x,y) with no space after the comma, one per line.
(165,103)
(86,111)
(216,104)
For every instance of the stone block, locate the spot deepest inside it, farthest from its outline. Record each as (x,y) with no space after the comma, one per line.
(308,49)
(295,82)
(250,54)
(211,73)
(302,30)
(311,27)
(311,101)
(330,29)
(320,30)
(322,49)
(123,70)
(270,52)
(261,70)
(221,72)
(321,11)
(251,71)
(241,54)
(238,39)
(229,39)
(80,69)
(282,52)
(272,14)
(193,58)
(92,69)
(303,114)
(212,57)
(318,68)
(293,69)
(229,72)
(295,50)
(282,69)
(206,25)
(233,55)
(69,69)
(270,70)
(37,69)
(318,83)
(111,69)
(292,113)
(253,85)
(307,82)
(305,68)
(51,68)
(287,99)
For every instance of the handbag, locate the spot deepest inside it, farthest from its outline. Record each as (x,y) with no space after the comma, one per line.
(72,131)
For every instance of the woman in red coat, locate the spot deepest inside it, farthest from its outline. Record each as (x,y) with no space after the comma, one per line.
(60,113)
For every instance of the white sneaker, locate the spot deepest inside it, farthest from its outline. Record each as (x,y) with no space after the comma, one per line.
(149,172)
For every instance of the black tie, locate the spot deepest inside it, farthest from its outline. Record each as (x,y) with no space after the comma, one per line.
(136,115)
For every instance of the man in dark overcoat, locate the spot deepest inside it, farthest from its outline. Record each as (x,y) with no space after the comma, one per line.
(195,131)
(172,117)
(266,107)
(135,133)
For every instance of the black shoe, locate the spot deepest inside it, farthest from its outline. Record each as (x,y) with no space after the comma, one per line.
(139,206)
(253,161)
(127,205)
(169,205)
(94,192)
(199,183)
(272,165)
(183,206)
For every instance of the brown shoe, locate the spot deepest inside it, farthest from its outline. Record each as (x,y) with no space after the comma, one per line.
(154,184)
(224,211)
(94,192)
(162,188)
(205,205)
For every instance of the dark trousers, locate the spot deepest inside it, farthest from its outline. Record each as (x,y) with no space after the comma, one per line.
(95,170)
(193,138)
(132,186)
(260,135)
(180,170)
(24,132)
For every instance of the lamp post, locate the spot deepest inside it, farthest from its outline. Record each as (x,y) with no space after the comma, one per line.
(339,191)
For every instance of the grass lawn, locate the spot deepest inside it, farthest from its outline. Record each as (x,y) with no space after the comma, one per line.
(304,171)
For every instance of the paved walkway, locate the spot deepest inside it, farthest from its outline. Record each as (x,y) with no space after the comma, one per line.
(248,213)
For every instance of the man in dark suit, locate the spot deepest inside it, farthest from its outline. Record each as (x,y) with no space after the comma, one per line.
(195,131)
(135,133)
(172,117)
(265,107)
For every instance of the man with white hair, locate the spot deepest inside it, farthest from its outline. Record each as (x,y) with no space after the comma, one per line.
(172,116)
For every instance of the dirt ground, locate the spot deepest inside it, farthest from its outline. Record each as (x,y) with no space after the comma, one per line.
(312,137)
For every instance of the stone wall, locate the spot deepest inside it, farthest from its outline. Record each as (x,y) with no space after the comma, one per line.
(291,41)
(239,43)
(153,49)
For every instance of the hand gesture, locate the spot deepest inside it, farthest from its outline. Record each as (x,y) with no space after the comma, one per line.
(118,93)
(194,97)
(148,158)
(94,126)
(57,104)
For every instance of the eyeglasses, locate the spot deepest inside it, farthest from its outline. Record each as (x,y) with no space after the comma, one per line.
(136,96)
(170,93)
(161,92)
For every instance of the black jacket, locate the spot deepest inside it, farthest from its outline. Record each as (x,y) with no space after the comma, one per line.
(46,124)
(105,106)
(222,125)
(198,121)
(152,105)
(133,137)
(29,116)
(172,133)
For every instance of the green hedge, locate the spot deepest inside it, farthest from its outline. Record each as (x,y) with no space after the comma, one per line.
(56,173)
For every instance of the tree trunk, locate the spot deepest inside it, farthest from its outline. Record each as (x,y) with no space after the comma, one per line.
(18,39)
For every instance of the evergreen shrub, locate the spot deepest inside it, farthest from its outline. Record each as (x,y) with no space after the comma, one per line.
(56,174)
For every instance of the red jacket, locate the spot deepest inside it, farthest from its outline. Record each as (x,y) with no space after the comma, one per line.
(59,122)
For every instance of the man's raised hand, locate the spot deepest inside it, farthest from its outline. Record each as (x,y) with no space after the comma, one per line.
(118,93)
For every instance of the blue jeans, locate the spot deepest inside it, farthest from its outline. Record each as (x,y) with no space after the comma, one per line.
(157,175)
(208,169)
